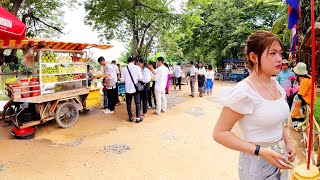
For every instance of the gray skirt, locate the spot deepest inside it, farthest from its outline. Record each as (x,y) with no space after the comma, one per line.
(252,167)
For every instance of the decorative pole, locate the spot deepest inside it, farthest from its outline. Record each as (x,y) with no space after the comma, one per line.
(309,171)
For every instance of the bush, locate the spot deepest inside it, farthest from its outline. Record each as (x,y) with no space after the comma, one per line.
(317,109)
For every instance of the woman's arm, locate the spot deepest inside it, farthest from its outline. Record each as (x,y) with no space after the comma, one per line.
(289,147)
(223,135)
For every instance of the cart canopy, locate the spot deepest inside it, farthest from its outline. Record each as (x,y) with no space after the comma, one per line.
(53,44)
(12,30)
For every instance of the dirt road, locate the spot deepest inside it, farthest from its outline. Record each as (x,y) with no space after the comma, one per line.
(175,145)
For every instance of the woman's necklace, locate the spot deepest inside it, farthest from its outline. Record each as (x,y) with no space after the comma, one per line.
(265,87)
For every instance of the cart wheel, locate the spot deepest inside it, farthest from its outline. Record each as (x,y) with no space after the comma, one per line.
(67,115)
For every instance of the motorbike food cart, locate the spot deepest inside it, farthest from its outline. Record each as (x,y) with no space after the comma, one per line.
(60,90)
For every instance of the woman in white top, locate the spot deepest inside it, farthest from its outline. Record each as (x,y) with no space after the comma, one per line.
(258,104)
(209,80)
(201,79)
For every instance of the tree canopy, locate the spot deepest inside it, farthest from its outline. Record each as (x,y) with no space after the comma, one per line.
(44,18)
(141,21)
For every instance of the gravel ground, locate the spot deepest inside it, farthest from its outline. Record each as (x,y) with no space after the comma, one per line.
(115,148)
(76,142)
(176,97)
(1,167)
(195,111)
(168,136)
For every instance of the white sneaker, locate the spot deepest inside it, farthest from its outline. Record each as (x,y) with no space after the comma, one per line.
(108,112)
(105,110)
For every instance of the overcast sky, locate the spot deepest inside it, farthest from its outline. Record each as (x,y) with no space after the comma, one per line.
(79,32)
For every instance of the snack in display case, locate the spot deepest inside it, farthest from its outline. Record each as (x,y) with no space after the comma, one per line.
(49,79)
(65,69)
(79,76)
(65,59)
(68,77)
(50,70)
(79,68)
(49,57)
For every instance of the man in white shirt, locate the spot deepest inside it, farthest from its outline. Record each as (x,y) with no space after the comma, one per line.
(161,78)
(131,91)
(116,74)
(146,79)
(109,83)
(193,73)
(177,75)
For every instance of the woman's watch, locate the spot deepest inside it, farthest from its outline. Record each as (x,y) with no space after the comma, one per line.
(256,152)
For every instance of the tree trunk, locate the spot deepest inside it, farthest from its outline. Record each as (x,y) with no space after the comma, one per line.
(135,30)
(16,6)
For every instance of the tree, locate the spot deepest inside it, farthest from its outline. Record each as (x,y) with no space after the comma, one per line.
(43,18)
(143,21)
(225,26)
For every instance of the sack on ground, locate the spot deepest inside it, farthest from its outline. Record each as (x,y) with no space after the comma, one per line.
(296,110)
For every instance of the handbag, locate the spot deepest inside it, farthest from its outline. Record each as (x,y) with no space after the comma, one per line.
(138,86)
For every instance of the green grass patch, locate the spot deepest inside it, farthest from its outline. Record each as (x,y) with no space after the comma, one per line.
(317,110)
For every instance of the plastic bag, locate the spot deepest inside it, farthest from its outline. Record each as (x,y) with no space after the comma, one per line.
(296,109)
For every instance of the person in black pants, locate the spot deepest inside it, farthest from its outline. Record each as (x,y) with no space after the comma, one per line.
(151,91)
(146,78)
(109,83)
(130,76)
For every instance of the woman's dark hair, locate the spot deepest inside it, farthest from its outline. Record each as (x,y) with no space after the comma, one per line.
(161,59)
(166,65)
(153,64)
(143,62)
(210,67)
(257,43)
(130,59)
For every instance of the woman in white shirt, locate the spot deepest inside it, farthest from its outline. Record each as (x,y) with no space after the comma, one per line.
(258,105)
(209,80)
(201,79)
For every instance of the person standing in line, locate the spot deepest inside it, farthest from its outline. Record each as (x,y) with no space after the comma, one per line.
(169,79)
(258,104)
(193,73)
(151,65)
(116,75)
(161,78)
(146,79)
(201,79)
(131,91)
(177,72)
(110,84)
(209,80)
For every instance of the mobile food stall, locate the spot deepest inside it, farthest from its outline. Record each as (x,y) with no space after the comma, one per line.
(58,90)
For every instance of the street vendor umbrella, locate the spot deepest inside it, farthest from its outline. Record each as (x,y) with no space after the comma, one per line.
(12,30)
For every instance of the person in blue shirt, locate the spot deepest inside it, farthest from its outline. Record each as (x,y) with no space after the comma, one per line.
(283,76)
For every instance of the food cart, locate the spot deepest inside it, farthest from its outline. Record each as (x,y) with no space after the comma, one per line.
(237,69)
(58,91)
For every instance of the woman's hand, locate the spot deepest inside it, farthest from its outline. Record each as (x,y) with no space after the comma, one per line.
(291,152)
(270,156)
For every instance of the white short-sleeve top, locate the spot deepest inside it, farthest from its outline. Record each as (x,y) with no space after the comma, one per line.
(263,119)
